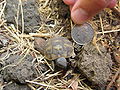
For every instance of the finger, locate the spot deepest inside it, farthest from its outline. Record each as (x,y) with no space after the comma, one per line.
(85,9)
(112,4)
(69,2)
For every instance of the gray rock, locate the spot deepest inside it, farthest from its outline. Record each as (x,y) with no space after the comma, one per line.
(31,15)
(94,66)
(23,71)
(14,86)
(3,41)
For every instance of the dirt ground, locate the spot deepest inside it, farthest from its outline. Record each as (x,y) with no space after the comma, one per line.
(23,65)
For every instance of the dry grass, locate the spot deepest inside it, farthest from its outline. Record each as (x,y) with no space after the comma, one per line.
(24,44)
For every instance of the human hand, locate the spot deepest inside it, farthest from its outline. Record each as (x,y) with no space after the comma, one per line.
(83,10)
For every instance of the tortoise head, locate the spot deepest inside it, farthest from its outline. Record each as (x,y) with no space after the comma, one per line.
(39,44)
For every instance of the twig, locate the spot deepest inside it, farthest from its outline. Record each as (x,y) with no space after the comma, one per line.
(1,12)
(22,16)
(40,34)
(116,11)
(16,19)
(48,65)
(31,87)
(101,24)
(51,75)
(41,84)
(46,3)
(109,31)
(2,23)
(13,34)
(113,79)
(73,81)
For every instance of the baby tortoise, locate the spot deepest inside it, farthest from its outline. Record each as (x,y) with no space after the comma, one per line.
(55,47)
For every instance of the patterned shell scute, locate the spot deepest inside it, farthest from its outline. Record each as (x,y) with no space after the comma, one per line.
(58,47)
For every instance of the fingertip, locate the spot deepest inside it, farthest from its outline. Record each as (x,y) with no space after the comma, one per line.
(69,2)
(79,16)
(112,4)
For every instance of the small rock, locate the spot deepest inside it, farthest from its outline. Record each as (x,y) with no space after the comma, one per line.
(94,66)
(14,86)
(1,80)
(21,72)
(61,62)
(3,41)
(30,13)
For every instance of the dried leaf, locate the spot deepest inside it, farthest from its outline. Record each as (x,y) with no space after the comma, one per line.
(74,85)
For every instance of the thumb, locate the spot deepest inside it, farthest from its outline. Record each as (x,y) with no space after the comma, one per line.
(83,10)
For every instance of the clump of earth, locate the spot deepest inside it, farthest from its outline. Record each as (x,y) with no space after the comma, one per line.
(21,72)
(15,86)
(13,14)
(95,65)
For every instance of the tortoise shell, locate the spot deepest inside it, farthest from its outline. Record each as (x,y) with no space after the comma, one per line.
(58,47)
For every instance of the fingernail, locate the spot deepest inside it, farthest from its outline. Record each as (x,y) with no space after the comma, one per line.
(79,16)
